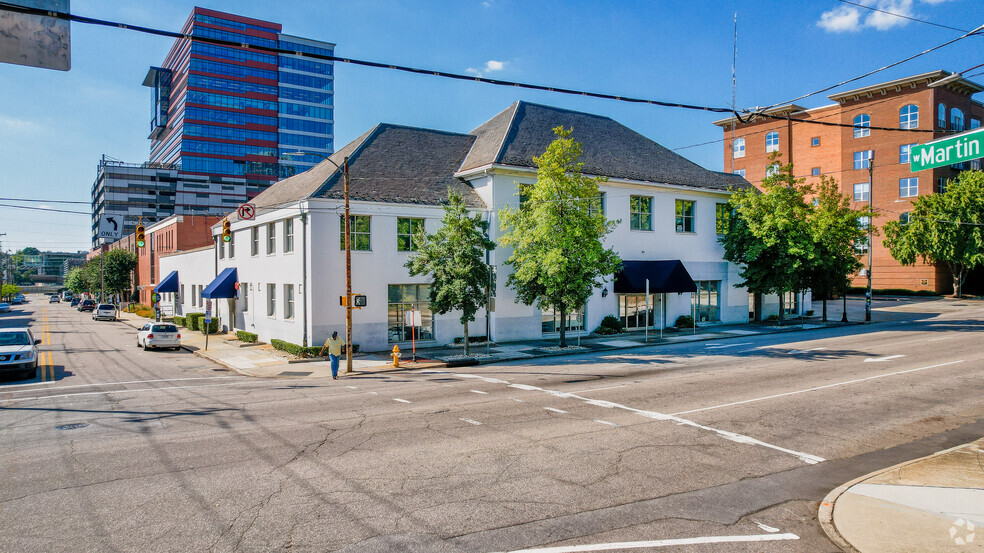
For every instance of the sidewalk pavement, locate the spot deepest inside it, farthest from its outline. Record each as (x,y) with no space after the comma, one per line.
(931,504)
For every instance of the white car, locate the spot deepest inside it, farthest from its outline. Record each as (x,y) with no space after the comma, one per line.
(159,335)
(18,351)
(104,311)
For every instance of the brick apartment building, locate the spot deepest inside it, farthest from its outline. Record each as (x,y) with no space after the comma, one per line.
(936,102)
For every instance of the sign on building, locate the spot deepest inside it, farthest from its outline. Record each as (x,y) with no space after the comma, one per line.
(36,40)
(947,151)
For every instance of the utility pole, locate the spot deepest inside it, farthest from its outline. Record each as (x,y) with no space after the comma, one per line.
(3,265)
(348,273)
(871,222)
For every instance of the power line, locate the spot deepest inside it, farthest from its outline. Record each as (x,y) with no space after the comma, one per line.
(46,209)
(874,9)
(43,201)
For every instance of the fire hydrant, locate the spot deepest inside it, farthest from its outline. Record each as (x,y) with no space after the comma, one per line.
(396,356)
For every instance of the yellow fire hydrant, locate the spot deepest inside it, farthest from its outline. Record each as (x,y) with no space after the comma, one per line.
(396,356)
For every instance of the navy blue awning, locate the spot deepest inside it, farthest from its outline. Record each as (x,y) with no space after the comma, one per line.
(664,277)
(224,285)
(168,283)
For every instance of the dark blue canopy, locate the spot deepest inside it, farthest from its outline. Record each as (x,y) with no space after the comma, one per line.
(168,283)
(664,277)
(224,285)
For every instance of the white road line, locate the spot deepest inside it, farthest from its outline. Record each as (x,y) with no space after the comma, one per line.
(401,400)
(940,338)
(107,392)
(479,392)
(766,527)
(517,400)
(555,410)
(815,388)
(732,436)
(659,543)
(7,388)
(798,351)
(721,346)
(880,359)
(605,422)
(469,421)
(352,387)
(599,389)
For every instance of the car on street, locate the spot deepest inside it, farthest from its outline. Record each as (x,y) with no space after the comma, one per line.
(18,351)
(54,299)
(4,307)
(18,299)
(105,312)
(87,305)
(159,335)
(75,302)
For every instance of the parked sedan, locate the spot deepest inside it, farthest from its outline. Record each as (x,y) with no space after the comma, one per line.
(18,351)
(4,307)
(159,335)
(105,312)
(75,302)
(87,305)
(54,299)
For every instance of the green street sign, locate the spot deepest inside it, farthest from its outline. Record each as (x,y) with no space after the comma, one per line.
(947,151)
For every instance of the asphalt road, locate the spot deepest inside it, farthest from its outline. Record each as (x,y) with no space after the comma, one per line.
(711,446)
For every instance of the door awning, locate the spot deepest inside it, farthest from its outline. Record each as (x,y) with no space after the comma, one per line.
(664,277)
(168,283)
(224,285)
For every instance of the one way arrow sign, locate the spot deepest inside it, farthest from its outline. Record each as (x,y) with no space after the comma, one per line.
(110,227)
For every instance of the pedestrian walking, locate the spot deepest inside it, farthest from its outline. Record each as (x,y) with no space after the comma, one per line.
(334,352)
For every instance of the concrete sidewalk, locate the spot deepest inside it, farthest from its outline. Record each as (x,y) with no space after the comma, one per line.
(933,504)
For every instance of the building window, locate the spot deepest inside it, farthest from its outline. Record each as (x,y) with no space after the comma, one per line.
(815,141)
(706,301)
(722,218)
(245,289)
(254,241)
(815,172)
(941,185)
(772,142)
(403,325)
(271,247)
(975,123)
(740,172)
(359,239)
(790,303)
(288,301)
(941,116)
(861,190)
(909,117)
(863,159)
(271,300)
(640,213)
(771,169)
(861,244)
(908,187)
(904,218)
(182,292)
(596,205)
(956,120)
(861,126)
(738,148)
(288,235)
(407,230)
(550,320)
(684,216)
(904,153)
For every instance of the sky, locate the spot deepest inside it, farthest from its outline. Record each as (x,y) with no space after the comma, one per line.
(55,125)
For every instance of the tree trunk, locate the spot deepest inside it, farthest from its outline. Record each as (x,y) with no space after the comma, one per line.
(782,310)
(563,327)
(824,317)
(466,337)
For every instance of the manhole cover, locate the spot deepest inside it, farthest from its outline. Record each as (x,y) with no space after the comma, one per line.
(74,426)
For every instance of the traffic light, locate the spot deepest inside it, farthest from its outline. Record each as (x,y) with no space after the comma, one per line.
(226,231)
(141,239)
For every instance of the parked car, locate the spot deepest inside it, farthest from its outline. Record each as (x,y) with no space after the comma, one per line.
(105,312)
(159,335)
(75,302)
(4,307)
(54,299)
(19,299)
(18,351)
(87,305)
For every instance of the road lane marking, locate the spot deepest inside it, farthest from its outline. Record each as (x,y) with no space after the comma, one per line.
(798,351)
(401,400)
(4,389)
(815,388)
(659,543)
(721,346)
(732,436)
(605,422)
(880,359)
(766,527)
(478,392)
(555,410)
(940,338)
(599,389)
(107,392)
(469,421)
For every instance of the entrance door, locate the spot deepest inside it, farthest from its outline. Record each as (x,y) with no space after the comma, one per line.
(632,310)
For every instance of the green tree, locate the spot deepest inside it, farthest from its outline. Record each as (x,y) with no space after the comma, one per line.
(30,251)
(74,280)
(454,257)
(769,237)
(8,291)
(945,229)
(558,257)
(835,228)
(118,271)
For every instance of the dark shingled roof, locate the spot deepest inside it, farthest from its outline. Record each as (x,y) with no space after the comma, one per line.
(610,149)
(737,181)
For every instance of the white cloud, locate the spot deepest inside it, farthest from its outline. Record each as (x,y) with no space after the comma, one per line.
(933,2)
(884,21)
(490,66)
(840,19)
(843,18)
(13,124)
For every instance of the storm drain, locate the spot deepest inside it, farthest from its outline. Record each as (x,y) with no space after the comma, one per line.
(73,426)
(295,373)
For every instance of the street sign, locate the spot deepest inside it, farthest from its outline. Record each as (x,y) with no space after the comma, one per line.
(34,39)
(208,312)
(111,227)
(412,318)
(155,297)
(947,151)
(247,211)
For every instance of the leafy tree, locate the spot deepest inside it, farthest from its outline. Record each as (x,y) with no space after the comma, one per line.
(74,281)
(769,237)
(454,257)
(944,229)
(558,257)
(8,291)
(118,271)
(30,251)
(835,228)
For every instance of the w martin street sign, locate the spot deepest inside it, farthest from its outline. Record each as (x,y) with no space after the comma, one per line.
(947,151)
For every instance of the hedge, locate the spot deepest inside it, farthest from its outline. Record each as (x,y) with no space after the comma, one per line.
(213,327)
(179,320)
(471,339)
(192,319)
(243,336)
(893,292)
(302,351)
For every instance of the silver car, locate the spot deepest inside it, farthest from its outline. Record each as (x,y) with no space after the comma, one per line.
(159,335)
(4,307)
(18,351)
(105,312)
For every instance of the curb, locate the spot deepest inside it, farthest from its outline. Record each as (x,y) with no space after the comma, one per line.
(825,513)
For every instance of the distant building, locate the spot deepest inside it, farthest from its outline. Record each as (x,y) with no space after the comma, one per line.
(52,266)
(929,101)
(222,119)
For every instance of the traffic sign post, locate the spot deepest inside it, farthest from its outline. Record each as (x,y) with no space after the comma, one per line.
(208,320)
(947,151)
(247,211)
(413,320)
(111,227)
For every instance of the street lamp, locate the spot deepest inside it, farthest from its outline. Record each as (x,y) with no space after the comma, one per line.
(348,255)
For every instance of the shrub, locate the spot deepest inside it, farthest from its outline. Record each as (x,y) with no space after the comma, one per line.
(609,325)
(192,319)
(772,318)
(213,326)
(302,351)
(179,320)
(248,337)
(145,313)
(684,321)
(460,339)
(137,307)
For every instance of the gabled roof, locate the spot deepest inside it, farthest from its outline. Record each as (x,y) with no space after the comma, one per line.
(524,130)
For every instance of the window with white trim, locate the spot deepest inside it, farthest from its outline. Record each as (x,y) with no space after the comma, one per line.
(863,158)
(905,153)
(941,116)
(772,142)
(288,301)
(862,124)
(909,117)
(908,187)
(288,235)
(861,190)
(738,148)
(956,119)
(271,246)
(271,300)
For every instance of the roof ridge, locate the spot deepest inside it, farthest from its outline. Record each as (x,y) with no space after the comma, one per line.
(500,150)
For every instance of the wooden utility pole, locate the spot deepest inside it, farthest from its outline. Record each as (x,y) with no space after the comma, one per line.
(348,272)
